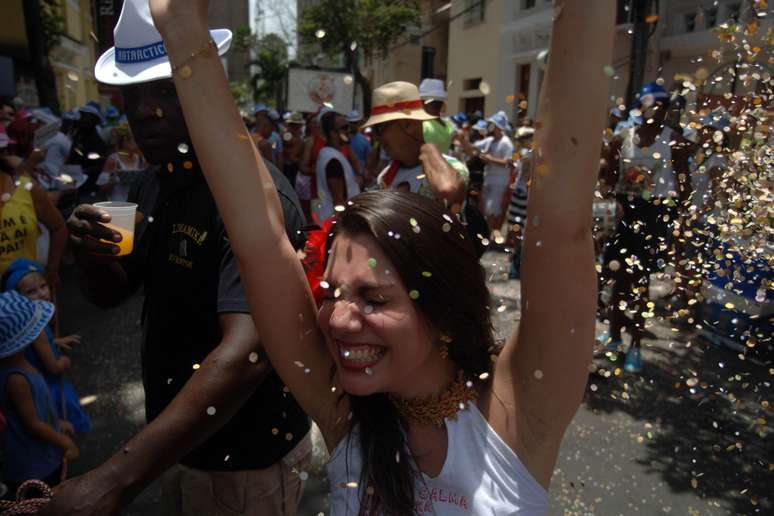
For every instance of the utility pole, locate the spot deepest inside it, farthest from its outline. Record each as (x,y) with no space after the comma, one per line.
(639,52)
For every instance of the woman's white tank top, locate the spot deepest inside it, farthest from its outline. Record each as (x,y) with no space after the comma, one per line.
(481,476)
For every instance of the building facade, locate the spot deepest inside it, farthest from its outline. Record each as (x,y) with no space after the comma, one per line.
(420,53)
(73,59)
(497,49)
(233,15)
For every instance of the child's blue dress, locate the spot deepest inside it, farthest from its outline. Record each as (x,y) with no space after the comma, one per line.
(27,457)
(56,384)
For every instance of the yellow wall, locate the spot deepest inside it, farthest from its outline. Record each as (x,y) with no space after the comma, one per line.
(13,34)
(73,62)
(73,20)
(474,52)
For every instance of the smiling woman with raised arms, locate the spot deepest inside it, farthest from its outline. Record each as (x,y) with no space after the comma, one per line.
(421,413)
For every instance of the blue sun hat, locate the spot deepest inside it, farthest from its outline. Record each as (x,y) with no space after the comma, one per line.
(19,268)
(94,109)
(500,120)
(21,322)
(460,118)
(649,94)
(481,125)
(112,112)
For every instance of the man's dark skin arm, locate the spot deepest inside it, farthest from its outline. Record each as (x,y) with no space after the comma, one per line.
(334,174)
(225,380)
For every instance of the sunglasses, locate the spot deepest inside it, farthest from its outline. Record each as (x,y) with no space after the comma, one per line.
(380,129)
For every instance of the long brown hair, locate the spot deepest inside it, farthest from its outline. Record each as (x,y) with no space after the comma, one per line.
(434,256)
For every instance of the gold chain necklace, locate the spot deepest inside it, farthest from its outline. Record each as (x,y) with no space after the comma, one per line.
(433,410)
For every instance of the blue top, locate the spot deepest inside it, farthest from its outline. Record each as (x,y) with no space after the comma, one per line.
(33,358)
(27,457)
(361,147)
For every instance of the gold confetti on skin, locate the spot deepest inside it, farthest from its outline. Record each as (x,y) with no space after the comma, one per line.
(185,72)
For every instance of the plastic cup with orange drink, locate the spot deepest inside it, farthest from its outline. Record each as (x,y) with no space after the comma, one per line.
(121,221)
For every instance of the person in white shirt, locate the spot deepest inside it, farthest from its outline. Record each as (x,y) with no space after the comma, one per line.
(336,180)
(497,173)
(123,167)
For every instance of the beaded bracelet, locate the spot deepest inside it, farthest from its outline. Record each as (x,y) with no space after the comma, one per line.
(183,68)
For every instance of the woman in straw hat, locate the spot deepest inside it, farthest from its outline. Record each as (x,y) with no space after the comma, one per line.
(421,413)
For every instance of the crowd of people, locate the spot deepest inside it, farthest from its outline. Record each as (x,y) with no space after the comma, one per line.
(325,267)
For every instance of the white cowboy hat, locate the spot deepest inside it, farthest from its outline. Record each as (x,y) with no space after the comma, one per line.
(397,101)
(139,54)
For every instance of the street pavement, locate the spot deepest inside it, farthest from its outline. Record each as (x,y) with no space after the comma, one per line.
(690,435)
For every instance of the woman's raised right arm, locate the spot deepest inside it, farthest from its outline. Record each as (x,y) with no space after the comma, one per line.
(280,300)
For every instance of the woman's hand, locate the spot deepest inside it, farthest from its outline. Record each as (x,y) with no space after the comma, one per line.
(174,18)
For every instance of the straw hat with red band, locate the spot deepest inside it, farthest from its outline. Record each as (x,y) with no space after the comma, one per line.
(397,101)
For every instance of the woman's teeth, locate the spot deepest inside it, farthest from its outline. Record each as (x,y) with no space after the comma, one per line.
(364,355)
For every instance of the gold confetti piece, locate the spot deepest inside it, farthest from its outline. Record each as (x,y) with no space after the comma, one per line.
(288,436)
(253,357)
(159,112)
(211,411)
(185,72)
(188,165)
(196,367)
(275,431)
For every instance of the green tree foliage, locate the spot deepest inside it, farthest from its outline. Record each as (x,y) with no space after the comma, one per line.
(352,27)
(52,21)
(271,59)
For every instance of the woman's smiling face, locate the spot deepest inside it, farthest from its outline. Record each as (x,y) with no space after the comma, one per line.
(378,339)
